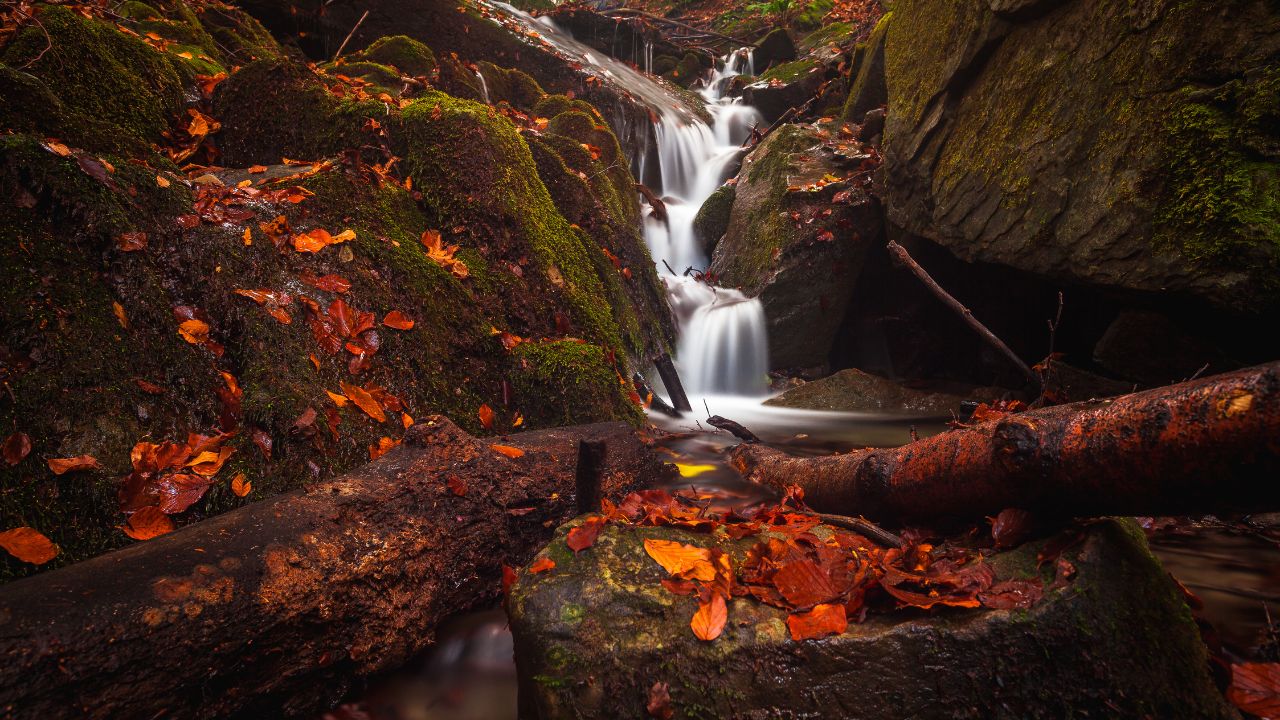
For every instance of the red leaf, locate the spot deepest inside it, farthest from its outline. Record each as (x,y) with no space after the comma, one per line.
(329,283)
(1255,688)
(16,447)
(1011,527)
(486,416)
(804,584)
(456,485)
(1013,594)
(80,462)
(659,705)
(180,491)
(509,577)
(262,439)
(543,564)
(131,241)
(398,320)
(821,621)
(584,536)
(28,545)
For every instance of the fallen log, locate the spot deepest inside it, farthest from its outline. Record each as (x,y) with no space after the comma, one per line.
(276,609)
(1203,446)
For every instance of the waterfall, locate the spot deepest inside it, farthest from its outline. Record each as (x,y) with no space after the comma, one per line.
(722,346)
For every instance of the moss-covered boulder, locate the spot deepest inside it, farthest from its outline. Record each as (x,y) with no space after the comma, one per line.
(797,237)
(712,220)
(775,48)
(597,632)
(853,390)
(868,92)
(511,86)
(785,86)
(1123,145)
(405,54)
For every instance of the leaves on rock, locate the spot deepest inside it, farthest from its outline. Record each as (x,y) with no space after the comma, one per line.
(397,320)
(680,559)
(821,621)
(364,401)
(507,450)
(28,545)
(542,565)
(584,536)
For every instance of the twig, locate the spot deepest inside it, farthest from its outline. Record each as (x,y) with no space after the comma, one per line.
(736,429)
(355,27)
(48,40)
(587,474)
(901,254)
(873,532)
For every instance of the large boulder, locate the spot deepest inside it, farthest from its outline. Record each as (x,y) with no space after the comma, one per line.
(1126,145)
(797,236)
(868,90)
(598,636)
(784,87)
(853,390)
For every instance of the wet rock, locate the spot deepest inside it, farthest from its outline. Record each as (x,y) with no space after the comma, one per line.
(1066,383)
(1118,145)
(597,632)
(784,87)
(797,241)
(853,390)
(1151,349)
(712,220)
(872,127)
(776,48)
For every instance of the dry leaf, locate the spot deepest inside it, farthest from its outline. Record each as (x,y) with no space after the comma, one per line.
(80,462)
(398,320)
(240,486)
(28,545)
(364,401)
(709,621)
(821,621)
(542,564)
(16,447)
(584,536)
(486,416)
(511,452)
(678,558)
(148,523)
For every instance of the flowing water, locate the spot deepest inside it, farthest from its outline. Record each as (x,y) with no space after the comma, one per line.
(722,357)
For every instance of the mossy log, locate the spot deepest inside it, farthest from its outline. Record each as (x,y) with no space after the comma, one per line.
(1202,446)
(275,610)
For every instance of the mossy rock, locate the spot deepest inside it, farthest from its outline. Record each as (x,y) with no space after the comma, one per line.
(512,86)
(799,251)
(853,390)
(1127,157)
(403,53)
(597,631)
(834,33)
(775,48)
(271,109)
(868,90)
(712,220)
(381,78)
(568,368)
(117,94)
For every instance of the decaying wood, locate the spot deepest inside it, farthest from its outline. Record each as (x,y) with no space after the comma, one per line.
(654,400)
(900,254)
(1208,445)
(733,428)
(587,475)
(671,379)
(275,609)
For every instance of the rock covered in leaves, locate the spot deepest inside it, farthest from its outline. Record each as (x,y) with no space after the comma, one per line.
(691,617)
(798,233)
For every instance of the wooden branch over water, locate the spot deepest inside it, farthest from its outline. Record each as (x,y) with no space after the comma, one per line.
(1203,446)
(629,12)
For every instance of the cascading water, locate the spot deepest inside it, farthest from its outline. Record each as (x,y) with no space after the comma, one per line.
(722,347)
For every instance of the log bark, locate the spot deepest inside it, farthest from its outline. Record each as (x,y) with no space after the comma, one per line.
(276,609)
(1208,445)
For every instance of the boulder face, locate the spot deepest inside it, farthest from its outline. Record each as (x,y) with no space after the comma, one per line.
(595,634)
(853,390)
(1124,145)
(797,235)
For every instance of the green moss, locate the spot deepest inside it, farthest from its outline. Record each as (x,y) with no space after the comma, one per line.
(407,55)
(809,16)
(1223,196)
(512,86)
(382,79)
(712,220)
(833,33)
(569,368)
(789,72)
(118,94)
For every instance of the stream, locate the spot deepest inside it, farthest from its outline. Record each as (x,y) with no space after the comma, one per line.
(722,358)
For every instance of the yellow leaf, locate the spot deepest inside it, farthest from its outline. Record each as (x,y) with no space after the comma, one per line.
(690,471)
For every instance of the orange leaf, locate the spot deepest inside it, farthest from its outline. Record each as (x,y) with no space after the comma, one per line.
(709,621)
(28,545)
(80,462)
(406,420)
(542,564)
(16,447)
(319,239)
(443,255)
(121,317)
(398,320)
(364,401)
(678,558)
(511,452)
(1255,688)
(255,169)
(148,523)
(339,400)
(209,463)
(384,446)
(486,416)
(194,331)
(240,486)
(584,536)
(821,621)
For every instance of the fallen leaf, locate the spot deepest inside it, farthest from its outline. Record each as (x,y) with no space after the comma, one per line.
(339,400)
(256,169)
(148,523)
(821,621)
(131,241)
(16,447)
(28,545)
(383,446)
(80,462)
(364,401)
(709,621)
(57,148)
(456,485)
(180,491)
(163,181)
(262,439)
(398,320)
(121,317)
(329,283)
(584,536)
(509,577)
(443,255)
(240,486)
(541,565)
(511,452)
(678,559)
(659,705)
(319,239)
(486,416)
(1011,527)
(1255,688)
(150,388)
(194,331)
(689,471)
